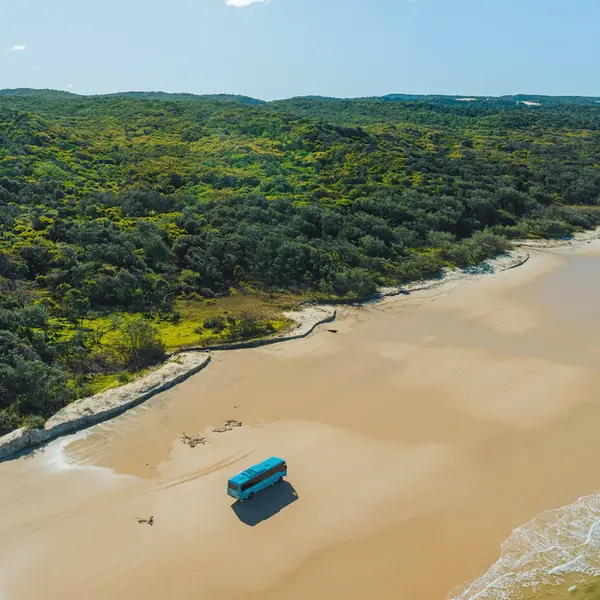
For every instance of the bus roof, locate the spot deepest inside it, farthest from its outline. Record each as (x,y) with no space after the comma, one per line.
(256,470)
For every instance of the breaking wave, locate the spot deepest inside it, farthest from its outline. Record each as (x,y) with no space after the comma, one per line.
(551,550)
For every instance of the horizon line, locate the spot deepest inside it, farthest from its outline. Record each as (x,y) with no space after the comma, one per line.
(68,92)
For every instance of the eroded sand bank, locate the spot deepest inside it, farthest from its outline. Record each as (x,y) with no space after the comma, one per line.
(417,437)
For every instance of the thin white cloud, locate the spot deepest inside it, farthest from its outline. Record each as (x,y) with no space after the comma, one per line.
(35,69)
(242,3)
(18,49)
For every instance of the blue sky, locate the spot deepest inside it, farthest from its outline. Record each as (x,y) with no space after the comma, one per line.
(284,48)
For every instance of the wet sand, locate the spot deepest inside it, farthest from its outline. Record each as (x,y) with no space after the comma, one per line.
(417,438)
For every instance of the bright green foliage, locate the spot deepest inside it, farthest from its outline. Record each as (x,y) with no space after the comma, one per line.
(139,343)
(134,205)
(249,327)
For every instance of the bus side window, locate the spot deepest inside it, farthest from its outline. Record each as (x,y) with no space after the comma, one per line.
(265,475)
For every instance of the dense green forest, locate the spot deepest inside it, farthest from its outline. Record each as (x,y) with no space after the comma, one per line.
(136,224)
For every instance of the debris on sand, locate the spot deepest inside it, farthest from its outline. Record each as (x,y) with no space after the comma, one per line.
(193,440)
(332,330)
(149,521)
(228,426)
(35,452)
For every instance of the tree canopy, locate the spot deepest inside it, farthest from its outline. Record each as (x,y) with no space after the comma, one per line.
(122,205)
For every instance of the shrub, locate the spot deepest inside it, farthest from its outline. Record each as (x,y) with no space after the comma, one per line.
(417,267)
(34,422)
(9,420)
(249,327)
(481,246)
(214,323)
(140,344)
(356,283)
(124,377)
(550,228)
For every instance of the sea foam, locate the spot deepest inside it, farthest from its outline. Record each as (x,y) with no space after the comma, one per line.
(557,543)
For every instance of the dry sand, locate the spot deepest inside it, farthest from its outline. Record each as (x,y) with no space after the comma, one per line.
(106,405)
(417,438)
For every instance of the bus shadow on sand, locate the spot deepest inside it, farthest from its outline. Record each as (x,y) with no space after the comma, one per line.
(266,504)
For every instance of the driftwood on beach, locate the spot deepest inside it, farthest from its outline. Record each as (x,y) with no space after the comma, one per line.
(104,406)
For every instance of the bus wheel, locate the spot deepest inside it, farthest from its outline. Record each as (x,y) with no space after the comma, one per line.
(250,495)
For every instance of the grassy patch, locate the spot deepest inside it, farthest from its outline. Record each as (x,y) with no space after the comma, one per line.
(188,328)
(185,327)
(190,325)
(103,382)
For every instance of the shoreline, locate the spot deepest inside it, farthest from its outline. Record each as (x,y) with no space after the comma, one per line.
(102,407)
(471,399)
(577,240)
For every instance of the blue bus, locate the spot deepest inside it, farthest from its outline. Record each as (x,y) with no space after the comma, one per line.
(259,477)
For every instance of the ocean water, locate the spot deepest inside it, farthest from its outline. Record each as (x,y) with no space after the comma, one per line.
(553,556)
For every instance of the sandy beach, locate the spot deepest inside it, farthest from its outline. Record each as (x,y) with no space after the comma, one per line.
(418,438)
